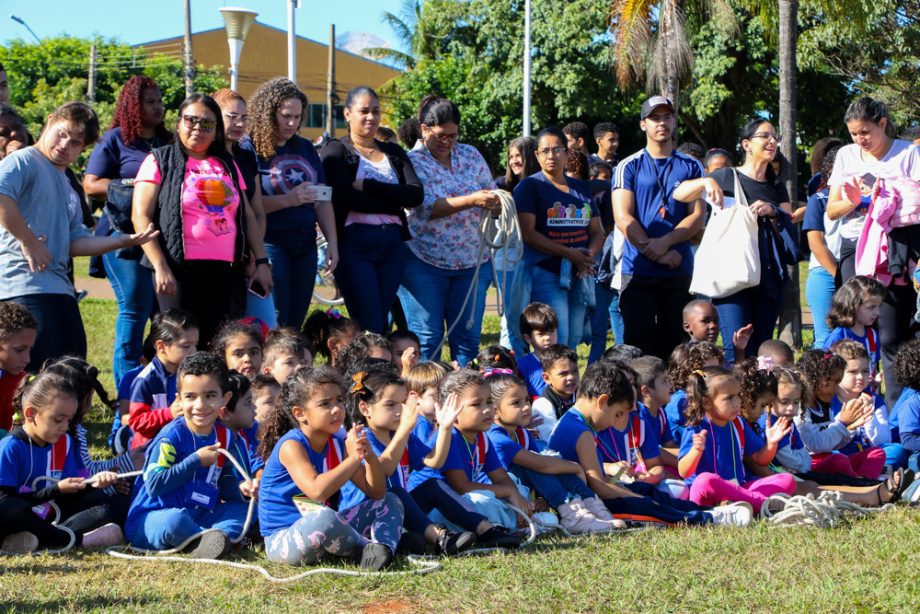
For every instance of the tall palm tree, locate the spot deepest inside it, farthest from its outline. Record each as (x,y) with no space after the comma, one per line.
(421,28)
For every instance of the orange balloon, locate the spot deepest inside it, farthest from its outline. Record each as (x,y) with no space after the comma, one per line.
(213,191)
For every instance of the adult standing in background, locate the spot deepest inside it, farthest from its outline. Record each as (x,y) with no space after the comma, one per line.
(607,137)
(137,129)
(657,263)
(442,256)
(290,169)
(373,183)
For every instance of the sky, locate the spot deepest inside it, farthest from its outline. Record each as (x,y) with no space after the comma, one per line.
(139,21)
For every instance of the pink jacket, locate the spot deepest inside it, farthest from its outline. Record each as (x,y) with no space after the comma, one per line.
(895,203)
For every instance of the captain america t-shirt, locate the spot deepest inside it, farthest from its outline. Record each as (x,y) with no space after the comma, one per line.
(562,217)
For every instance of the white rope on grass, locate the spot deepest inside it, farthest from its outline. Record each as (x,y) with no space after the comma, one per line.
(824,512)
(495,233)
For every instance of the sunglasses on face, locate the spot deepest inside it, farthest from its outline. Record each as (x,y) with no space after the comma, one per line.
(204,124)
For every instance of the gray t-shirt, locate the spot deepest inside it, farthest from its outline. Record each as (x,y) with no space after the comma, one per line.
(52,209)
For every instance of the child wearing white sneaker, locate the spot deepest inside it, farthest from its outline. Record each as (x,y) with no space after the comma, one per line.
(41,448)
(560,482)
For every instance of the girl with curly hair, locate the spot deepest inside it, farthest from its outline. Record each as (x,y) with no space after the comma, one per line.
(290,171)
(684,360)
(137,129)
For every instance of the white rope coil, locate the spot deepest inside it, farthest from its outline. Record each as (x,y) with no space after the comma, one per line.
(828,510)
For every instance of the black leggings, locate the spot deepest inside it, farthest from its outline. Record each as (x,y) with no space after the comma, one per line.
(80,512)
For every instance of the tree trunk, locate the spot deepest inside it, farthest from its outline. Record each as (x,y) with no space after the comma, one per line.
(670,86)
(790,323)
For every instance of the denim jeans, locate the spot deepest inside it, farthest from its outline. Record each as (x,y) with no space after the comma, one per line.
(490,277)
(819,290)
(430,296)
(606,316)
(570,309)
(60,327)
(369,272)
(759,306)
(294,275)
(133,287)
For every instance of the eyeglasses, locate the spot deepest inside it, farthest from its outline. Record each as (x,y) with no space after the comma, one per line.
(444,138)
(204,124)
(551,151)
(236,117)
(767,136)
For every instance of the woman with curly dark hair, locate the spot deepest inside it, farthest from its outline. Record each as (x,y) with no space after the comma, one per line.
(137,129)
(291,173)
(904,417)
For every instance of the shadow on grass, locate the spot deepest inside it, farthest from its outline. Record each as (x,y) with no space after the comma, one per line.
(79,604)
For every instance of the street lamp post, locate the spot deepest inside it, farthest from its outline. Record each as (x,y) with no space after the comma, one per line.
(237,21)
(292,41)
(21,21)
(527,68)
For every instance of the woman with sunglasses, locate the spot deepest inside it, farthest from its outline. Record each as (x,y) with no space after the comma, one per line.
(442,256)
(767,198)
(258,299)
(137,129)
(562,232)
(291,171)
(193,192)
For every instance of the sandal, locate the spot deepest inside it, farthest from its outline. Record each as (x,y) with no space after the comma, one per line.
(907,477)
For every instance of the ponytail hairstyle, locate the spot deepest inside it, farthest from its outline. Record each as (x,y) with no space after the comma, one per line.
(361,347)
(689,357)
(494,357)
(325,326)
(747,132)
(238,386)
(458,381)
(702,384)
(84,378)
(500,384)
(849,297)
(40,391)
(757,379)
(366,385)
(434,111)
(817,366)
(169,324)
(296,391)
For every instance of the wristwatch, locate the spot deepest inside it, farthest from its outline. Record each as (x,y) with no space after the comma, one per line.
(265,261)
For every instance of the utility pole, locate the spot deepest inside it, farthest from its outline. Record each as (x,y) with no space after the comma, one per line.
(527,68)
(91,80)
(292,42)
(330,86)
(187,51)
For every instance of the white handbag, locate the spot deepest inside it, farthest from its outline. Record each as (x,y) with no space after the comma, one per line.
(728,259)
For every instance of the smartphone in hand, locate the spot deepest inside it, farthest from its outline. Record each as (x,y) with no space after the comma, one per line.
(256,288)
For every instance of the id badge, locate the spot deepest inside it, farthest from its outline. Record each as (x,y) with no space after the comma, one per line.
(202,494)
(42,510)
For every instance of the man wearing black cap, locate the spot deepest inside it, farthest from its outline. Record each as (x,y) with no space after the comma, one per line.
(657,263)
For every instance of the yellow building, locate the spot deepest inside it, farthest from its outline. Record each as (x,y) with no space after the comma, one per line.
(265,56)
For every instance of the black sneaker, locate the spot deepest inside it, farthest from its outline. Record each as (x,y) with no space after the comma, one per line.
(412,543)
(210,545)
(498,537)
(451,542)
(375,557)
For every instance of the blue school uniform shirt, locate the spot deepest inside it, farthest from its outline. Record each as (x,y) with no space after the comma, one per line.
(860,440)
(245,449)
(22,460)
(868,341)
(507,445)
(674,410)
(725,449)
(476,460)
(905,420)
(627,445)
(565,436)
(174,477)
(532,373)
(792,438)
(152,392)
(646,177)
(661,424)
(412,459)
(124,392)
(561,217)
(277,489)
(424,430)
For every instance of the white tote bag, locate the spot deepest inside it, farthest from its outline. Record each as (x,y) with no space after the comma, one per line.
(728,259)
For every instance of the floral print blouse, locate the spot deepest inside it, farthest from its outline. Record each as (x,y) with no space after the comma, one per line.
(450,242)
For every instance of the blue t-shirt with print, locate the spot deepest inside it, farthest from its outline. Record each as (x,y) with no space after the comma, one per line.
(724,453)
(792,438)
(652,182)
(860,439)
(561,217)
(507,445)
(638,439)
(870,341)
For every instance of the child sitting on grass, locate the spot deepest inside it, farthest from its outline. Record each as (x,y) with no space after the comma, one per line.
(560,372)
(18,330)
(285,352)
(538,325)
(684,360)
(188,495)
(654,395)
(265,391)
(422,384)
(328,332)
(406,349)
(239,342)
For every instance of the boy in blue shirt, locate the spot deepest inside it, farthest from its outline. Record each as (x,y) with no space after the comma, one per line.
(605,396)
(188,489)
(538,324)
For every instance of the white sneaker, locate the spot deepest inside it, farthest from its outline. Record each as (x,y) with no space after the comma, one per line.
(739,514)
(576,518)
(104,537)
(600,511)
(22,542)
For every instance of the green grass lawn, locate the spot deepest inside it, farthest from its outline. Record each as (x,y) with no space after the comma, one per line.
(868,564)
